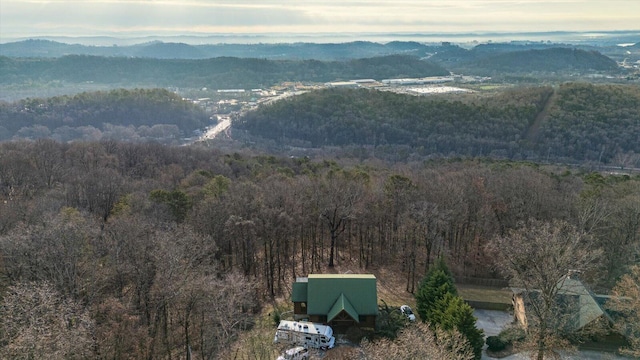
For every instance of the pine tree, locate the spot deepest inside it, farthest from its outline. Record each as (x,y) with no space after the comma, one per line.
(439,305)
(434,286)
(452,313)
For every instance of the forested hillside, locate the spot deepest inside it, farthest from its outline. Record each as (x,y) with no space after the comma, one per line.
(35,48)
(573,122)
(544,60)
(154,251)
(576,122)
(171,50)
(535,58)
(592,122)
(139,114)
(214,73)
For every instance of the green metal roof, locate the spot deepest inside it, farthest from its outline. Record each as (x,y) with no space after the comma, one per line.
(299,292)
(342,304)
(324,290)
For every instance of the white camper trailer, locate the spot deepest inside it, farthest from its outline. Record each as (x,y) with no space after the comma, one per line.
(306,334)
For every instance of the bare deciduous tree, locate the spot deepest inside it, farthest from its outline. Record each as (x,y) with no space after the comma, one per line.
(48,157)
(56,250)
(625,301)
(418,341)
(337,202)
(120,333)
(536,257)
(39,323)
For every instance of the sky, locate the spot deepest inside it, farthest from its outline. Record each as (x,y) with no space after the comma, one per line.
(128,18)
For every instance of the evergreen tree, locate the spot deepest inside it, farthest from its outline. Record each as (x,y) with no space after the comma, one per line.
(452,313)
(434,286)
(439,305)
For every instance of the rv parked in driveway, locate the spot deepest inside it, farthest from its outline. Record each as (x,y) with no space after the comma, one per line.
(307,334)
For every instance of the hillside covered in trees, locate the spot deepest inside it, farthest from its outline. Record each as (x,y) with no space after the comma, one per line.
(171,50)
(403,59)
(550,60)
(154,251)
(134,115)
(214,73)
(38,48)
(534,58)
(571,122)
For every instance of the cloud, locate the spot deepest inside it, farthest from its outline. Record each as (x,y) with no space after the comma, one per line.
(149,17)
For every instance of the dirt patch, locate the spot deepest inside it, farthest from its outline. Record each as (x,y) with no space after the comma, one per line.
(392,289)
(342,352)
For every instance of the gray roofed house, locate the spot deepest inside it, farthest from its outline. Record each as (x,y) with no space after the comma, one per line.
(577,305)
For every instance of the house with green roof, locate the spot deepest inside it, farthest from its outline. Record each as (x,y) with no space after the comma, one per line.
(339,300)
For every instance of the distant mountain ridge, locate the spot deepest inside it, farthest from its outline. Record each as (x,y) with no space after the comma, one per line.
(482,59)
(237,72)
(173,50)
(214,73)
(545,60)
(524,58)
(284,51)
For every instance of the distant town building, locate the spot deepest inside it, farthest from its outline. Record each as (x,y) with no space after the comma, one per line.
(364,81)
(231,90)
(419,81)
(342,84)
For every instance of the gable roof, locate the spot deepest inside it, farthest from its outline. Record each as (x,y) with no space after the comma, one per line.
(355,293)
(588,308)
(575,300)
(342,304)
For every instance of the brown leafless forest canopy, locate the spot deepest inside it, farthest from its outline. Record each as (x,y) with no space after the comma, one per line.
(153,251)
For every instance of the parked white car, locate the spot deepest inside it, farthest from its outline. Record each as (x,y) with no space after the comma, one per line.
(296,353)
(406,311)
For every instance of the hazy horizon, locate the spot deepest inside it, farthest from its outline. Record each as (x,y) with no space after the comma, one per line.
(469,39)
(289,18)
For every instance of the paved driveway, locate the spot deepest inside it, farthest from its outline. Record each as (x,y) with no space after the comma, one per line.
(492,322)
